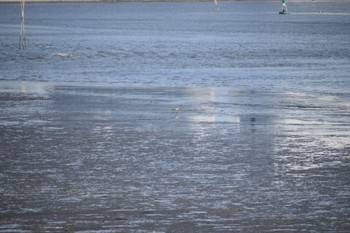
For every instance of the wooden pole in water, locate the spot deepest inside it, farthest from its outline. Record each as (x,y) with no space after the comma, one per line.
(22,39)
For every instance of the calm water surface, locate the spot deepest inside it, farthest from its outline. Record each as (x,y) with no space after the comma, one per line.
(179,44)
(167,117)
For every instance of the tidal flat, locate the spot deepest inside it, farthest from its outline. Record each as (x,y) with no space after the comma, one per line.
(175,117)
(107,159)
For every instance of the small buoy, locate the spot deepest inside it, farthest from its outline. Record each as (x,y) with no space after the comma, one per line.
(284,10)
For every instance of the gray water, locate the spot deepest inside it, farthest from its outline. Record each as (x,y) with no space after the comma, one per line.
(168,117)
(179,44)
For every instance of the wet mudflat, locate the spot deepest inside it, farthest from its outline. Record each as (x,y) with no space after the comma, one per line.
(168,117)
(121,159)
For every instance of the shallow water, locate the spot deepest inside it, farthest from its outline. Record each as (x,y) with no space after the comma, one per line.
(179,44)
(83,158)
(167,117)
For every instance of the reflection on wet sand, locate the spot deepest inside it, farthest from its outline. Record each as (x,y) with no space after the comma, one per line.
(114,159)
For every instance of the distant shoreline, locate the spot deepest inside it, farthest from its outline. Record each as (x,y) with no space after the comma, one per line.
(123,1)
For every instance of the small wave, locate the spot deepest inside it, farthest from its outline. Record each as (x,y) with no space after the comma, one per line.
(67,54)
(106,54)
(35,57)
(322,13)
(45,46)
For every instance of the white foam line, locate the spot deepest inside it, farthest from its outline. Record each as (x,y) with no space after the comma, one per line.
(319,13)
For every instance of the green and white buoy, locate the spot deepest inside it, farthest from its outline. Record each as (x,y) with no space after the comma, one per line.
(284,10)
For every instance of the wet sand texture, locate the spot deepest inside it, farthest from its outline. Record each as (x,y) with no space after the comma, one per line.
(102,159)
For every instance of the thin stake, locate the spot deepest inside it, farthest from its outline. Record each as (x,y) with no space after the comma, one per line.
(216,6)
(22,39)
